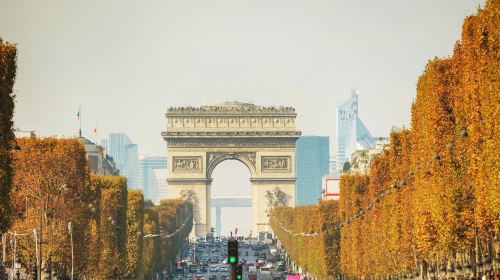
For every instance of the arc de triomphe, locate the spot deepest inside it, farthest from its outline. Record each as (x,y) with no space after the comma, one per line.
(263,138)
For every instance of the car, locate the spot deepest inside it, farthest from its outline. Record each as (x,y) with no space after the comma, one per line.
(193,268)
(223,268)
(256,254)
(214,268)
(223,277)
(212,277)
(199,276)
(252,269)
(179,270)
(204,268)
(246,253)
(280,268)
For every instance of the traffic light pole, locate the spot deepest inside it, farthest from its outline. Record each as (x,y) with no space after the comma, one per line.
(232,256)
(233,272)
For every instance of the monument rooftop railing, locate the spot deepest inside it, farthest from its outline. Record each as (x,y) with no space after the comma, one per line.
(231,109)
(211,134)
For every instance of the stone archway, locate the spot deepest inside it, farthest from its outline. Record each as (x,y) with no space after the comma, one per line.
(262,138)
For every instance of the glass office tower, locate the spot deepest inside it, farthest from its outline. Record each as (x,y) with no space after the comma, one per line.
(352,134)
(311,165)
(126,156)
(152,177)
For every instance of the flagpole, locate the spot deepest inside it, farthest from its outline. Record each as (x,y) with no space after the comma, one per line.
(80,121)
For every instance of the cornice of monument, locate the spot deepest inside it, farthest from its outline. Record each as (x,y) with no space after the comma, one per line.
(231,108)
(229,134)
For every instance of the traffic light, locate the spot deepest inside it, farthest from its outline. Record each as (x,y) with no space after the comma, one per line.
(239,272)
(232,251)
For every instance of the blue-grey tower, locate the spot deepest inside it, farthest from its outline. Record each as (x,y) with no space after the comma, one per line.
(147,179)
(352,134)
(126,156)
(312,164)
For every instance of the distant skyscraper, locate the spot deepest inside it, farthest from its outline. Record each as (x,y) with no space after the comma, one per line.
(152,169)
(352,134)
(104,144)
(311,165)
(160,178)
(333,167)
(125,153)
(132,168)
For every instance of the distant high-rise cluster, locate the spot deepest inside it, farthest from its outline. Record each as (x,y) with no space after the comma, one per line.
(352,134)
(312,164)
(153,177)
(126,155)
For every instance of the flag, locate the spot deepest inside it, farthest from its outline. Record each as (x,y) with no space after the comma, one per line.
(78,114)
(95,129)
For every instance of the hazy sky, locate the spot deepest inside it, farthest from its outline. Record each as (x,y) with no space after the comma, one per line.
(126,62)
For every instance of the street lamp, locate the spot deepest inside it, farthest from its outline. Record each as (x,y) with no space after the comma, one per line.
(17,267)
(70,229)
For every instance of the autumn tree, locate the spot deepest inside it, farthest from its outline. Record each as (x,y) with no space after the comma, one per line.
(112,227)
(152,245)
(432,200)
(135,224)
(50,191)
(311,236)
(8,54)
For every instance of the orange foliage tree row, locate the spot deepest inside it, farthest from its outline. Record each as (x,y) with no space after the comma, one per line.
(440,180)
(110,224)
(315,254)
(430,203)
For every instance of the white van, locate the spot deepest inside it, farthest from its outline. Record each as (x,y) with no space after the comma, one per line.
(265,270)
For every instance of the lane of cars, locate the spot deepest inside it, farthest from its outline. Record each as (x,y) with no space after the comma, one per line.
(207,260)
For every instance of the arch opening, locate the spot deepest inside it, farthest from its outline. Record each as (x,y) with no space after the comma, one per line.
(231,197)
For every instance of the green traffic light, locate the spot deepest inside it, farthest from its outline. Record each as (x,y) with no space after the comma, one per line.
(238,277)
(232,259)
